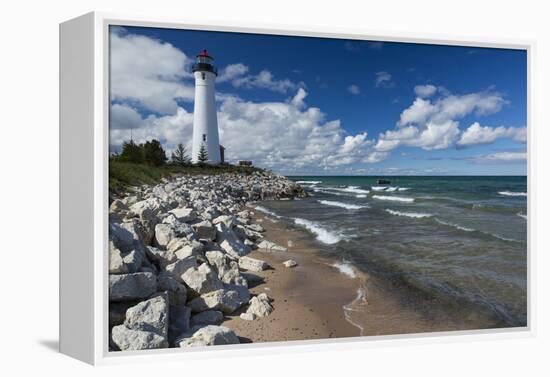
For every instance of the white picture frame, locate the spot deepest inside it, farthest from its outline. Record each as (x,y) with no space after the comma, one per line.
(84,104)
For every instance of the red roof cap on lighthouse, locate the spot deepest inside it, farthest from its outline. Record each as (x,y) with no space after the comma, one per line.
(204,53)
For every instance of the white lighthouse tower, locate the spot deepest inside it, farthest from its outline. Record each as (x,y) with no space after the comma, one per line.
(205,122)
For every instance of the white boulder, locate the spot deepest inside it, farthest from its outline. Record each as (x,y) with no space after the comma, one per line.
(252,264)
(210,336)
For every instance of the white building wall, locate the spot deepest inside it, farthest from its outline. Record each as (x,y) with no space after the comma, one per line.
(205,122)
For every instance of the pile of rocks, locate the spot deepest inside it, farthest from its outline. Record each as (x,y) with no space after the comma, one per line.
(178,260)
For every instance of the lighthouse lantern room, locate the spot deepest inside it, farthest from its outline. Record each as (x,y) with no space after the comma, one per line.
(205,120)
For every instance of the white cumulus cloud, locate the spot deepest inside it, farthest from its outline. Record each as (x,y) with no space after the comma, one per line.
(149,72)
(477,134)
(425,91)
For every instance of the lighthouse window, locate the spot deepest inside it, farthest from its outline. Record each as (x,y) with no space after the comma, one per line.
(203,137)
(203,75)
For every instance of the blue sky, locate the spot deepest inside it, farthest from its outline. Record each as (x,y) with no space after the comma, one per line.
(328,106)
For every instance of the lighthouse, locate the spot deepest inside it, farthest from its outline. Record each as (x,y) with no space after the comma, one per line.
(205,121)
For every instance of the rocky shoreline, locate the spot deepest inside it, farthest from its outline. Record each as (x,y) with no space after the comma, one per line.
(178,259)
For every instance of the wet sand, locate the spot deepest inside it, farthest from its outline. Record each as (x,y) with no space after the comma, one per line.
(315,300)
(308,299)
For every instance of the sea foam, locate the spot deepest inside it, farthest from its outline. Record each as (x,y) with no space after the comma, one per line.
(346,269)
(340,204)
(357,305)
(323,235)
(266,211)
(459,227)
(512,193)
(309,182)
(408,214)
(394,198)
(348,189)
(379,188)
(523,216)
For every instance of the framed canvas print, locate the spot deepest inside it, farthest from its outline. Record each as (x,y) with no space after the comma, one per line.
(246,189)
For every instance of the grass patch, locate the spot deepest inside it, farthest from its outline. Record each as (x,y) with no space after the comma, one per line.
(124,175)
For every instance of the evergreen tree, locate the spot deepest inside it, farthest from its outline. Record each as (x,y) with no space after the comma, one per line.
(131,152)
(203,155)
(180,157)
(153,153)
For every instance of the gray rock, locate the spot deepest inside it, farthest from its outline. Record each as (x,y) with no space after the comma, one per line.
(290,263)
(127,339)
(132,286)
(122,238)
(193,249)
(230,242)
(116,263)
(117,312)
(160,257)
(177,243)
(177,293)
(150,315)
(260,306)
(178,268)
(118,206)
(210,336)
(226,301)
(185,215)
(270,247)
(179,322)
(164,233)
(145,326)
(202,279)
(256,228)
(133,260)
(233,275)
(227,220)
(205,230)
(252,264)
(208,317)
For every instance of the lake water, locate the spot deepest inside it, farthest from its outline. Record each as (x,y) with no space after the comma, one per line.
(462,240)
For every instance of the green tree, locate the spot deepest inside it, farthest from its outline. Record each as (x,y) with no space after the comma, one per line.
(203,155)
(180,157)
(131,152)
(153,153)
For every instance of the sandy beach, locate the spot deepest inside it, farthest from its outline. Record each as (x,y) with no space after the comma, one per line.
(316,300)
(308,299)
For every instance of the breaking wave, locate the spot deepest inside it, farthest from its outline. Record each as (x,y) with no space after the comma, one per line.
(379,188)
(466,229)
(459,227)
(512,193)
(346,269)
(322,234)
(308,182)
(266,211)
(340,204)
(349,189)
(409,214)
(394,198)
